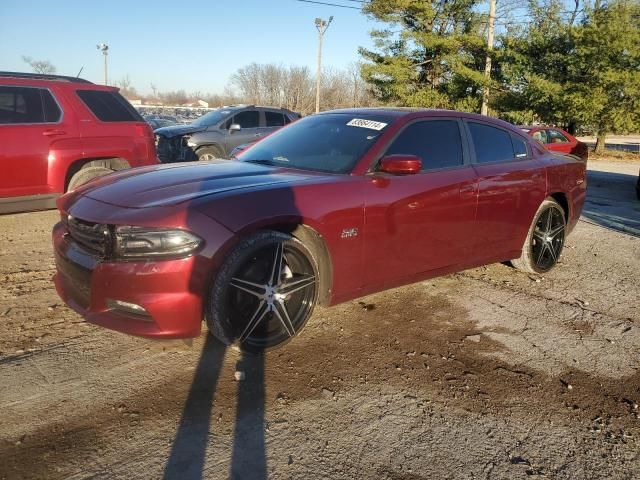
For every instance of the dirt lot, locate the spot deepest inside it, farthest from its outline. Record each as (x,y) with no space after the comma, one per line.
(488,373)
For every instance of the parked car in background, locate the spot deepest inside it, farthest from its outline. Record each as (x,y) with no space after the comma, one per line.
(156,123)
(335,206)
(218,132)
(557,140)
(57,133)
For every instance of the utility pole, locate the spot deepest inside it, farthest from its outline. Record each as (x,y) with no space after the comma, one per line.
(322,26)
(104,48)
(487,65)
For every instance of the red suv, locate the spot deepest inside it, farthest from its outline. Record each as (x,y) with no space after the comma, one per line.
(58,132)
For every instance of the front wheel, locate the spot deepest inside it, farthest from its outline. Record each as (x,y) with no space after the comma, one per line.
(211,152)
(545,240)
(264,292)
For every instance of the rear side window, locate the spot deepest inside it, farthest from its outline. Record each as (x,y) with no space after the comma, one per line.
(248,119)
(51,109)
(437,143)
(491,144)
(109,106)
(274,119)
(20,105)
(519,147)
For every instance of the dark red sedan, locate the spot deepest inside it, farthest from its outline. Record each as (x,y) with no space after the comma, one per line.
(332,207)
(557,140)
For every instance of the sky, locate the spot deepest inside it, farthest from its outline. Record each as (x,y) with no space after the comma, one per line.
(190,44)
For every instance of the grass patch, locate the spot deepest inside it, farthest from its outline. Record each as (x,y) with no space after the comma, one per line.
(616,155)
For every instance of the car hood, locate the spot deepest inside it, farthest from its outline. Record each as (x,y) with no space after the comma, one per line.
(177,130)
(174,184)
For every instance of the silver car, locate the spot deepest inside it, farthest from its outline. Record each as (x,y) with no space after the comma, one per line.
(218,132)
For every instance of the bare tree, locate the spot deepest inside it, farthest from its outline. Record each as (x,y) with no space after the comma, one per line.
(126,87)
(293,87)
(39,66)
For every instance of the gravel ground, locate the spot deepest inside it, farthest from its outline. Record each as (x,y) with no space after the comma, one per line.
(488,373)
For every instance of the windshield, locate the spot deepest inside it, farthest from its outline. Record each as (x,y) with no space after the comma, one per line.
(211,118)
(326,143)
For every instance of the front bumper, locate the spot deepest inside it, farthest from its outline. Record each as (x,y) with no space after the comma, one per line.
(170,291)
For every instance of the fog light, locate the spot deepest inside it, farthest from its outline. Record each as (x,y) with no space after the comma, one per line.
(127,307)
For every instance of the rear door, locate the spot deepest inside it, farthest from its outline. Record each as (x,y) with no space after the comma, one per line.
(511,186)
(421,222)
(30,122)
(273,121)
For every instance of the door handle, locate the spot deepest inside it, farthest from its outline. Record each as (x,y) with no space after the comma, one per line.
(53,133)
(257,134)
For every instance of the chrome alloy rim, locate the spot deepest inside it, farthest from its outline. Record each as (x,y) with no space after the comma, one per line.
(548,238)
(271,295)
(205,157)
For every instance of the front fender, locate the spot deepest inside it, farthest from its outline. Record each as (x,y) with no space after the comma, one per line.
(201,139)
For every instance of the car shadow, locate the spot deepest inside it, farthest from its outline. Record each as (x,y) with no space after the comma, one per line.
(195,433)
(188,452)
(611,201)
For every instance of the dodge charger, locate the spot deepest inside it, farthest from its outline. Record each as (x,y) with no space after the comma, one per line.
(330,208)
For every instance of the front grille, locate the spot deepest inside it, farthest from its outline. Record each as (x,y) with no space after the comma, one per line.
(93,237)
(174,149)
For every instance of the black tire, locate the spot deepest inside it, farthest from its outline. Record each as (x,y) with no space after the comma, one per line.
(83,175)
(246,299)
(543,246)
(210,152)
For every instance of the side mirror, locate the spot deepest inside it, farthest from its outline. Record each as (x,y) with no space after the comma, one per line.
(235,128)
(400,164)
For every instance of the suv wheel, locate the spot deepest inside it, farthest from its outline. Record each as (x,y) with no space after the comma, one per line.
(209,153)
(85,174)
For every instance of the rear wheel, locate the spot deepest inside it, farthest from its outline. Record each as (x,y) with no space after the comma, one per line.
(545,239)
(210,152)
(264,292)
(83,175)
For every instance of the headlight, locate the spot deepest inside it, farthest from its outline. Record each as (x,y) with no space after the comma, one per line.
(140,242)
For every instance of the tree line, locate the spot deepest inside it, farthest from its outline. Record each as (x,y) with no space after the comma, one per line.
(291,87)
(576,65)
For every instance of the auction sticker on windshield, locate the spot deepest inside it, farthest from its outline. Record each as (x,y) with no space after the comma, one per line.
(359,122)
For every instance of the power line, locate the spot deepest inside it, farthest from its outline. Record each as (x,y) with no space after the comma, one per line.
(329,4)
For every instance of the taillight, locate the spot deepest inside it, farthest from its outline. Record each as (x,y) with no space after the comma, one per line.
(144,130)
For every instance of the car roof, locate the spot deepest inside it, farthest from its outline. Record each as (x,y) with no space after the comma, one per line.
(398,112)
(50,81)
(42,76)
(536,127)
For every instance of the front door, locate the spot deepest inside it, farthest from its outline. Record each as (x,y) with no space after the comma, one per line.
(250,131)
(422,222)
(557,142)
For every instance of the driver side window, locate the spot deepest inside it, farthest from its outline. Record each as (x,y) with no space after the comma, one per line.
(556,137)
(248,119)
